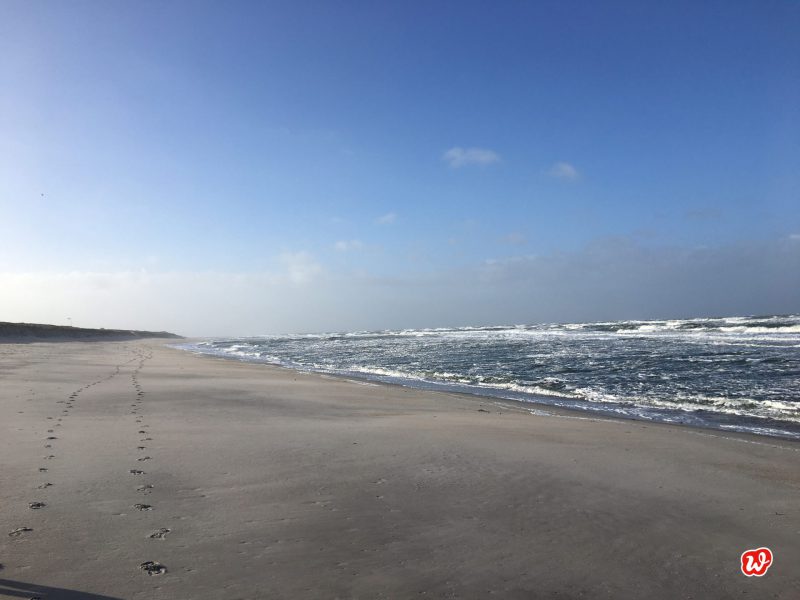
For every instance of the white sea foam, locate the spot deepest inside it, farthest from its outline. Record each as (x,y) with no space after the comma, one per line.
(702,371)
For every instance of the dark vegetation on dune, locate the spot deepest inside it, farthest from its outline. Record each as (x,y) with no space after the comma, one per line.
(22,332)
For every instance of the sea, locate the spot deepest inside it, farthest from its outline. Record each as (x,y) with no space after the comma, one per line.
(728,373)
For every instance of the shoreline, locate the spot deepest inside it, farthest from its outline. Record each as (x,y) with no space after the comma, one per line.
(268,482)
(590,410)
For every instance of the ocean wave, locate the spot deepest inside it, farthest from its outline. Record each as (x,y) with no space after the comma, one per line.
(707,370)
(737,326)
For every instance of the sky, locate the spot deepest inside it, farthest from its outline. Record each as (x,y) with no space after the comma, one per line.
(244,168)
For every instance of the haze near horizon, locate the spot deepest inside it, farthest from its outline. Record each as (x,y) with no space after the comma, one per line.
(277,167)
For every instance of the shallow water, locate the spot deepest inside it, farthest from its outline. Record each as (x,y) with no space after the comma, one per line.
(735,373)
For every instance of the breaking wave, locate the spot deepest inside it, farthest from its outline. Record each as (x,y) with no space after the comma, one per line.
(734,373)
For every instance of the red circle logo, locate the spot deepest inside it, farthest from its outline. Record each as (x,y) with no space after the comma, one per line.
(756,562)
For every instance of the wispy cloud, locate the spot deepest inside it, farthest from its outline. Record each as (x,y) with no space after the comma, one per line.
(703,214)
(458,157)
(564,170)
(386,219)
(622,278)
(299,267)
(347,245)
(515,238)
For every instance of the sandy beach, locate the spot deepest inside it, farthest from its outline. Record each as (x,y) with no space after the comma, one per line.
(248,481)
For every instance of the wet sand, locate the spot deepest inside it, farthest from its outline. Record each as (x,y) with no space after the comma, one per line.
(249,481)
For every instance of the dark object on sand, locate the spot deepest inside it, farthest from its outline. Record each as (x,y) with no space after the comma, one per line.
(160,534)
(153,568)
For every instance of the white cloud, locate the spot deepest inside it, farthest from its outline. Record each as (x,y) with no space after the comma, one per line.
(795,237)
(386,219)
(299,267)
(609,279)
(458,157)
(347,245)
(564,170)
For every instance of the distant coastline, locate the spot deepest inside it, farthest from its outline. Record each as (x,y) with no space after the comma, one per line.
(37,332)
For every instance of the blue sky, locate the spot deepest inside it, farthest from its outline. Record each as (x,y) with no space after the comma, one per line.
(322,148)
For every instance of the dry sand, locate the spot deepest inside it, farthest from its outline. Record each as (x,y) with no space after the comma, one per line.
(275,484)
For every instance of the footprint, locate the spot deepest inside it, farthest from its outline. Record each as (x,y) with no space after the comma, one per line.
(147,439)
(19,531)
(141,447)
(143,507)
(142,432)
(153,568)
(42,469)
(51,437)
(160,534)
(136,472)
(145,489)
(44,485)
(36,505)
(144,458)
(49,457)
